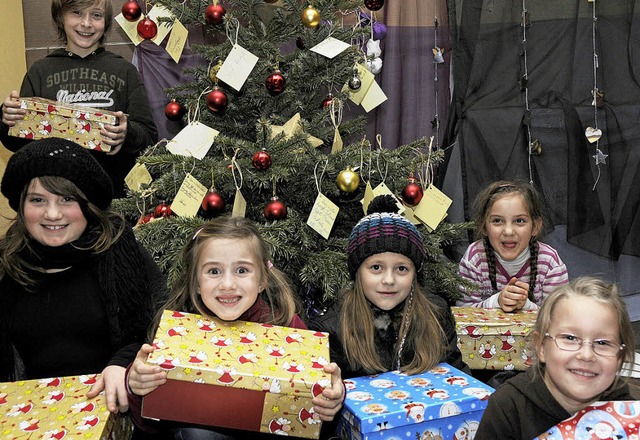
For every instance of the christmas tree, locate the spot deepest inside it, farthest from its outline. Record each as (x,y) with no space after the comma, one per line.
(279,143)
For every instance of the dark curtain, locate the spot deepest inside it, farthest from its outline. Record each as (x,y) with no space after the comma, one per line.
(488,122)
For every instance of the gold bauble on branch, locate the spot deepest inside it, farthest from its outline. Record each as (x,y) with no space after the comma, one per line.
(348,180)
(310,17)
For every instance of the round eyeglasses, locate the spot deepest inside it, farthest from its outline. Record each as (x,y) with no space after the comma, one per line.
(601,347)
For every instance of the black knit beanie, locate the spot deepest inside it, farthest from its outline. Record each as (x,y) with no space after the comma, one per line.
(383,230)
(56,157)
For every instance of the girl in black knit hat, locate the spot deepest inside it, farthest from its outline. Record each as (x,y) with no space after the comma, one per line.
(385,321)
(77,291)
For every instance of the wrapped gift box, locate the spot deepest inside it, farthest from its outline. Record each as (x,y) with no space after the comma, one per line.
(602,420)
(244,375)
(58,408)
(443,403)
(491,339)
(47,118)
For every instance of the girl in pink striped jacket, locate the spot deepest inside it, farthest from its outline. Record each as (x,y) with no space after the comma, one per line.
(510,267)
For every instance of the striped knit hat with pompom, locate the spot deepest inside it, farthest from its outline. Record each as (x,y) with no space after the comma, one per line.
(383,230)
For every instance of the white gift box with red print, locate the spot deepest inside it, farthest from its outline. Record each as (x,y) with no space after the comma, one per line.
(242,375)
(491,339)
(47,118)
(443,403)
(603,420)
(57,408)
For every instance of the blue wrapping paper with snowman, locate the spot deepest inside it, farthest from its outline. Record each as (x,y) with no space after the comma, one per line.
(618,420)
(442,403)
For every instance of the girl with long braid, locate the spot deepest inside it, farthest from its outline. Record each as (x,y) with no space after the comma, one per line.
(512,269)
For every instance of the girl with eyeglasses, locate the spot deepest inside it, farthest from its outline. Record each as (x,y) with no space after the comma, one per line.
(582,337)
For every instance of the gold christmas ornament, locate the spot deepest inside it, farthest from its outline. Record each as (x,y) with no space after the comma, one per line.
(310,17)
(348,180)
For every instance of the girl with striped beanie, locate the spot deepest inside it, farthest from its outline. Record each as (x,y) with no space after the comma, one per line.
(385,320)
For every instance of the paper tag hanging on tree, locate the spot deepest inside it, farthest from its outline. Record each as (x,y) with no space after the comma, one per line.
(368,196)
(384,189)
(130,28)
(177,40)
(239,205)
(138,176)
(373,98)
(323,215)
(432,209)
(237,67)
(409,214)
(330,47)
(165,27)
(193,140)
(189,197)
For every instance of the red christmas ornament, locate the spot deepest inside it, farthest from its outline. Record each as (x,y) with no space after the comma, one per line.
(131,11)
(261,160)
(214,14)
(146,219)
(162,210)
(275,83)
(217,100)
(147,28)
(412,193)
(174,111)
(212,203)
(275,210)
(327,101)
(374,5)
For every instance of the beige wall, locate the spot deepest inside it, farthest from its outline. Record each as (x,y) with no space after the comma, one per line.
(12,68)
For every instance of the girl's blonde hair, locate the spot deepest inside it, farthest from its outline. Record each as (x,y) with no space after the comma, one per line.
(599,291)
(420,332)
(278,293)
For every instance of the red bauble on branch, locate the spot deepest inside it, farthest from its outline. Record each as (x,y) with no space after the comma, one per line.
(131,11)
(275,210)
(147,28)
(162,210)
(275,83)
(214,14)
(146,219)
(261,160)
(213,203)
(327,101)
(174,111)
(217,100)
(412,193)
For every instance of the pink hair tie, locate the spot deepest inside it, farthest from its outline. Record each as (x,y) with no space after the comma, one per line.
(269,264)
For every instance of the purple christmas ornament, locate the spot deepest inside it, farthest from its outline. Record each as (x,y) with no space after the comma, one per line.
(379,31)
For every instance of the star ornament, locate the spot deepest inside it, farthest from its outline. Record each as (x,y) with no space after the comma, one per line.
(600,157)
(293,127)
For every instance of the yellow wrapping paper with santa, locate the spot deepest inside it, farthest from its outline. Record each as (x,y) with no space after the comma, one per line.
(242,375)
(491,339)
(47,118)
(57,408)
